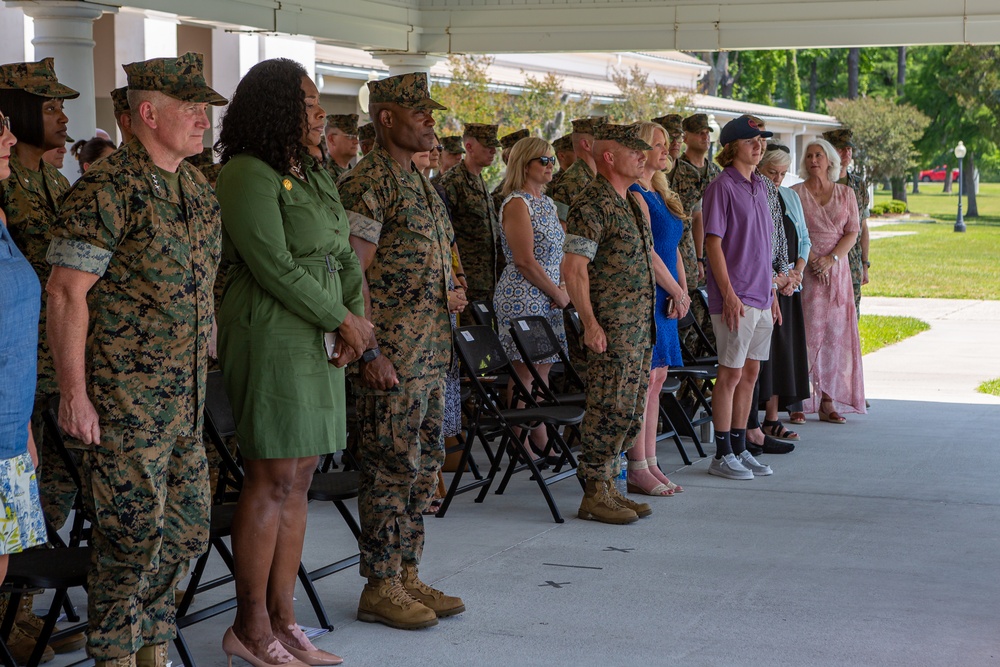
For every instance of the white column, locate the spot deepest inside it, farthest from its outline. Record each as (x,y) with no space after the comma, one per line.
(64,30)
(15,40)
(404,63)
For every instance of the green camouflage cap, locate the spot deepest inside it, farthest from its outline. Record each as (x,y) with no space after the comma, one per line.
(563,143)
(587,125)
(626,135)
(119,97)
(35,78)
(696,123)
(406,90)
(484,134)
(453,145)
(842,138)
(366,132)
(508,140)
(182,78)
(345,122)
(672,123)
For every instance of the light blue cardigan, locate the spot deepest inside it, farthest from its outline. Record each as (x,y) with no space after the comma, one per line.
(794,207)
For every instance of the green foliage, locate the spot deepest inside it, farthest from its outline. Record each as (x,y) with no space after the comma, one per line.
(991,387)
(642,100)
(884,132)
(891,206)
(878,331)
(757,75)
(790,87)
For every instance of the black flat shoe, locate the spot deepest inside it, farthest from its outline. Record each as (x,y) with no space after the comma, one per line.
(550,460)
(772,446)
(755,450)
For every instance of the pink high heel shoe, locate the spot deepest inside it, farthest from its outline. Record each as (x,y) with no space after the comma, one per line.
(310,655)
(231,645)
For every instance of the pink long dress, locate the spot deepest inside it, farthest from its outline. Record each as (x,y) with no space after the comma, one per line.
(831,320)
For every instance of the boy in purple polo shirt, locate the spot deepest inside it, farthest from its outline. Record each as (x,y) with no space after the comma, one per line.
(741,301)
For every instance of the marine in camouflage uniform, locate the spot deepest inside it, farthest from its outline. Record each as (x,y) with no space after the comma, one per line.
(507,142)
(578,175)
(150,239)
(612,233)
(454,150)
(347,125)
(840,139)
(562,145)
(401,226)
(475,222)
(366,137)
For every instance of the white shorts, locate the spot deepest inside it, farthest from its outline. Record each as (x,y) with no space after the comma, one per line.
(751,340)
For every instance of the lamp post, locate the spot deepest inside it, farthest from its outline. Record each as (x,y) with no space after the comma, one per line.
(960,153)
(713,134)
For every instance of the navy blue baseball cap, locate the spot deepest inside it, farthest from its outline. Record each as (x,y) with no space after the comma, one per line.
(743,127)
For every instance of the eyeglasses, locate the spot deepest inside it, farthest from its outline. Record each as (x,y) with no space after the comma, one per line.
(4,125)
(546,160)
(439,148)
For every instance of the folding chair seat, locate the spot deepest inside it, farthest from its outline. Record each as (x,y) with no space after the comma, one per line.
(484,315)
(536,341)
(58,570)
(483,358)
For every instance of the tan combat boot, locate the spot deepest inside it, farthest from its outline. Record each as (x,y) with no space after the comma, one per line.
(127,661)
(21,645)
(153,655)
(32,625)
(385,601)
(641,509)
(597,505)
(442,605)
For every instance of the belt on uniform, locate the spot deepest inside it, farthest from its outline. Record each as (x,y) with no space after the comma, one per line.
(331,263)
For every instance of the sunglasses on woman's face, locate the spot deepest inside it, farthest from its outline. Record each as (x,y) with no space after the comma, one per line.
(4,125)
(437,148)
(545,160)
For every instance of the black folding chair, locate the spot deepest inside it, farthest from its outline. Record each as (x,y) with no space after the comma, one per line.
(484,315)
(483,359)
(536,341)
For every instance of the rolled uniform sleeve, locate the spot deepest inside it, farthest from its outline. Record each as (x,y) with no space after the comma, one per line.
(92,227)
(584,232)
(252,221)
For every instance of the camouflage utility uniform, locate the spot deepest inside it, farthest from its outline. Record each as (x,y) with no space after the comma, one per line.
(613,234)
(854,258)
(689,182)
(576,177)
(401,443)
(477,230)
(156,248)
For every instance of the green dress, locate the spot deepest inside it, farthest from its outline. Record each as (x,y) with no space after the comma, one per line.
(292,277)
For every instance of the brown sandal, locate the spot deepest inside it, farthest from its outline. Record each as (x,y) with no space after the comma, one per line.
(832,416)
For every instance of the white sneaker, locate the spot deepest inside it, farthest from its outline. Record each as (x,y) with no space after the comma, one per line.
(753,465)
(729,467)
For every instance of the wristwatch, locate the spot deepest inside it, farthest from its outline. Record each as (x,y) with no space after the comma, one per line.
(701,259)
(370,355)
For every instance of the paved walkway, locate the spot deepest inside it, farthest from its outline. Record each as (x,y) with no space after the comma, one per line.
(874,543)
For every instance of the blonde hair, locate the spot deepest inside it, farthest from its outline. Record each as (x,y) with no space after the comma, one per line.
(728,154)
(523,152)
(833,173)
(647,132)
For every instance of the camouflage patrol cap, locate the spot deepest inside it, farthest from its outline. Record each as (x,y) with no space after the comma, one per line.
(626,135)
(587,125)
(406,90)
(345,122)
(182,78)
(453,145)
(563,143)
(483,133)
(696,123)
(366,132)
(672,123)
(119,97)
(842,138)
(508,140)
(35,78)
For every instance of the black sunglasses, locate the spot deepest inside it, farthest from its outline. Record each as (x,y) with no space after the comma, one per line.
(4,125)
(439,148)
(546,160)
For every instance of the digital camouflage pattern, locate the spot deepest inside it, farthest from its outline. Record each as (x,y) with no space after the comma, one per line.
(119,97)
(477,229)
(398,479)
(336,171)
(38,78)
(182,78)
(141,554)
(484,134)
(563,143)
(151,313)
(497,197)
(577,177)
(854,257)
(689,182)
(840,138)
(345,122)
(672,123)
(402,448)
(508,140)
(626,135)
(453,145)
(613,234)
(696,123)
(587,125)
(366,132)
(406,90)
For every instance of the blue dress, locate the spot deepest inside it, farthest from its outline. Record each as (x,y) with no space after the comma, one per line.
(667,229)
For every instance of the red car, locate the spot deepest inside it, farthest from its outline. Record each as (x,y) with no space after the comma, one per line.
(938,174)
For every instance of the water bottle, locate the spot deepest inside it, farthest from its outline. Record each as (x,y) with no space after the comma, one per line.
(621,481)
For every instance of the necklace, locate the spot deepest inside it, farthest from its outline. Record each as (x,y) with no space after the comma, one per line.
(749,188)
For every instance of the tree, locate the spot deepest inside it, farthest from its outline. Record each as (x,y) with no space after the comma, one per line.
(642,100)
(884,133)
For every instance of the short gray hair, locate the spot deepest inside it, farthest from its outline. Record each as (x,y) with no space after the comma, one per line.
(831,154)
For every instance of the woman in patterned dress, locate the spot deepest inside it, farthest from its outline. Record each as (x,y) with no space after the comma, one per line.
(532,240)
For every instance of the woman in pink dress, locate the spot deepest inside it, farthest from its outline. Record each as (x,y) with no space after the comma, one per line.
(831,213)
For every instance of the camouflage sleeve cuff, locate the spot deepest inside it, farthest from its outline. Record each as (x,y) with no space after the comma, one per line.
(579,245)
(697,207)
(364,227)
(78,255)
(562,210)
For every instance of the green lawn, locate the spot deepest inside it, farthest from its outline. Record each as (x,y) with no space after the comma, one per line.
(878,331)
(944,207)
(990,387)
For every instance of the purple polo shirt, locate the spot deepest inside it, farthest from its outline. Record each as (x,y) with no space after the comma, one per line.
(736,210)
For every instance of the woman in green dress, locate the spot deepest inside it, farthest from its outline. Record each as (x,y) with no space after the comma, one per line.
(293,288)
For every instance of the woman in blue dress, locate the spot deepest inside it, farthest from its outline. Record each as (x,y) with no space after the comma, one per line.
(664,211)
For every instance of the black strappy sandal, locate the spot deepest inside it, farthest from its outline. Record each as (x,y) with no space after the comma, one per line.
(777,430)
